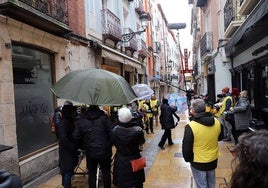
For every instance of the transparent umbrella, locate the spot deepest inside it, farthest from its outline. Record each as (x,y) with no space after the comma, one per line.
(142,91)
(178,100)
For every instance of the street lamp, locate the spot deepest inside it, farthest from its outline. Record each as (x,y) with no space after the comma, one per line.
(178,26)
(144,17)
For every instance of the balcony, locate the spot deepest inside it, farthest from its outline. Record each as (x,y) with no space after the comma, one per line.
(142,49)
(111,27)
(206,46)
(132,45)
(233,26)
(156,47)
(231,21)
(246,6)
(139,7)
(48,15)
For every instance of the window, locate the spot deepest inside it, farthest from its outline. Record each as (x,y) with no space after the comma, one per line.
(250,80)
(33,99)
(265,86)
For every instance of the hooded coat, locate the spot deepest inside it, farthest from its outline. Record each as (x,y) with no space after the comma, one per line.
(127,137)
(68,150)
(166,117)
(193,140)
(93,131)
(242,114)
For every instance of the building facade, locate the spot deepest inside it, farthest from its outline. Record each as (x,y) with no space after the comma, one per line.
(230,49)
(41,41)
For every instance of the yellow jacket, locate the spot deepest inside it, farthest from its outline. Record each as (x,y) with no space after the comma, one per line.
(154,105)
(140,104)
(223,106)
(147,113)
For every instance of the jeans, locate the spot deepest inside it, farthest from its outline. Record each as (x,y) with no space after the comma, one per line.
(227,127)
(204,179)
(67,178)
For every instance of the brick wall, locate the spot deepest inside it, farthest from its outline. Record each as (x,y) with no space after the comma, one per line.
(76,11)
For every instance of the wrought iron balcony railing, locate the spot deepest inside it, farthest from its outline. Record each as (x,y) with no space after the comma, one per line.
(56,9)
(142,48)
(206,44)
(47,15)
(111,27)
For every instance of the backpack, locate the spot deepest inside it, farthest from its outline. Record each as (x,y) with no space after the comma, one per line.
(55,119)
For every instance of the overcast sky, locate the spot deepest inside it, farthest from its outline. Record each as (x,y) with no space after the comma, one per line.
(179,11)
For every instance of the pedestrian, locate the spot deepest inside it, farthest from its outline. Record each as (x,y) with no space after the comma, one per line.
(148,116)
(226,103)
(250,161)
(200,144)
(8,180)
(93,131)
(136,113)
(242,115)
(155,106)
(127,137)
(209,104)
(167,122)
(68,150)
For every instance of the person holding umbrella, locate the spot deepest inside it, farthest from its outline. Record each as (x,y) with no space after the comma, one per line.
(93,132)
(167,122)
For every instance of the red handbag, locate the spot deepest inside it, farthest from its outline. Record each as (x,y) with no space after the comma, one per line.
(138,164)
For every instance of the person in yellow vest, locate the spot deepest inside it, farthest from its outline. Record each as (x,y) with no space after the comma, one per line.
(217,104)
(226,104)
(155,106)
(148,116)
(209,104)
(141,108)
(200,144)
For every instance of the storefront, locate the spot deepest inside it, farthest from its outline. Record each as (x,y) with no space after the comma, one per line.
(248,50)
(31,60)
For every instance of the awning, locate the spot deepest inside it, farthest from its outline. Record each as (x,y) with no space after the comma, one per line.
(119,57)
(111,55)
(258,13)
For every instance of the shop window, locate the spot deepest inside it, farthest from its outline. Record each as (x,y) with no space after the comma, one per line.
(251,86)
(33,99)
(265,85)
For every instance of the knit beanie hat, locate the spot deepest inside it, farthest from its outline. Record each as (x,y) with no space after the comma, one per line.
(225,90)
(124,115)
(235,92)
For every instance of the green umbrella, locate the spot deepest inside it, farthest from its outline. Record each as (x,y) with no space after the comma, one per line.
(95,87)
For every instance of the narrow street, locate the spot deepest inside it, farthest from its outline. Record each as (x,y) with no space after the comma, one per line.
(165,168)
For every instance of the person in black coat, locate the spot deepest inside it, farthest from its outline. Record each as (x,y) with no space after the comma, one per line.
(127,137)
(8,180)
(167,122)
(93,132)
(68,151)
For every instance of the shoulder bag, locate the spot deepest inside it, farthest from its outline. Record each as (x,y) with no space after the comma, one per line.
(138,164)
